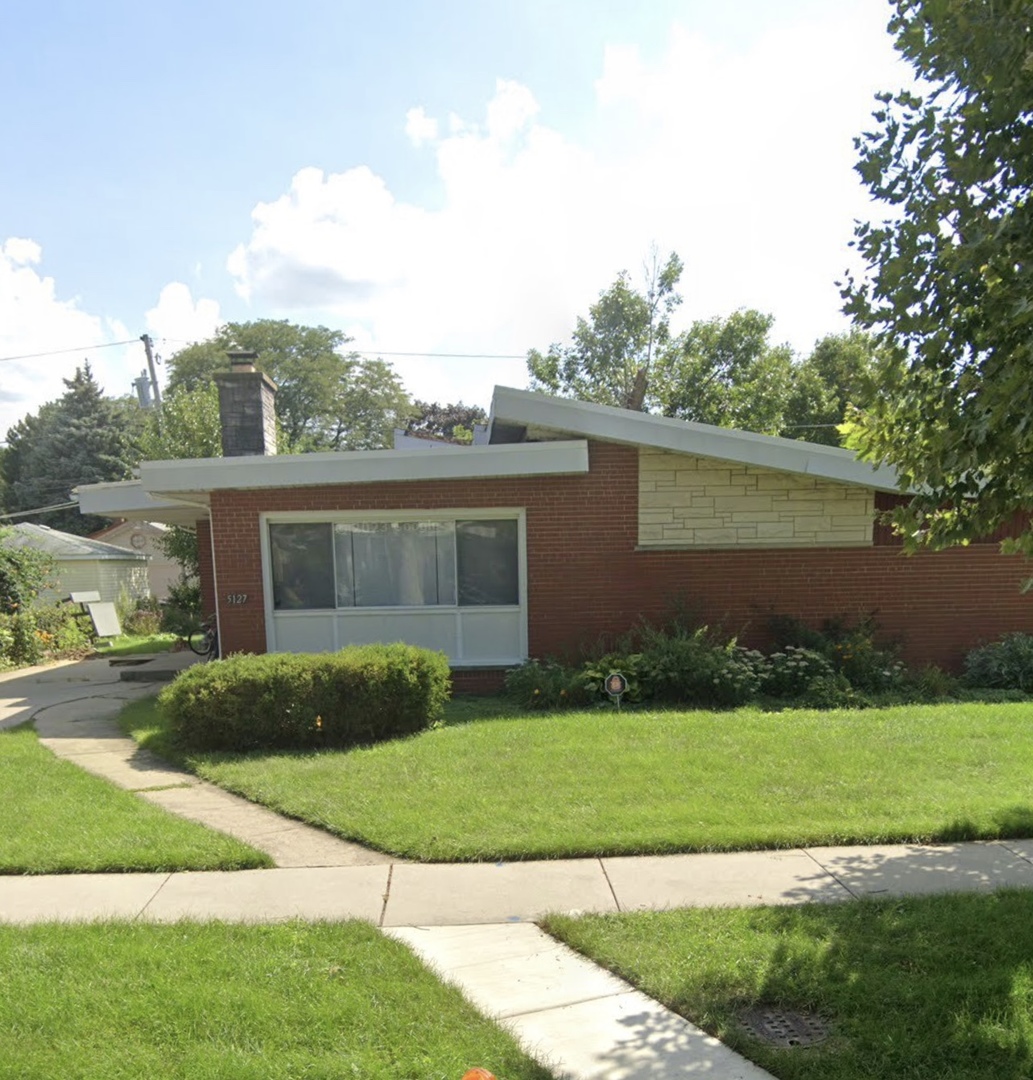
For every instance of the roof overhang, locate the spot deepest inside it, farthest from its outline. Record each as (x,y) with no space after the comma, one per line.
(130,500)
(545,417)
(195,479)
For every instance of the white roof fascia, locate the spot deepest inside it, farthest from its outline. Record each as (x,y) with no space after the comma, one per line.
(129,499)
(202,475)
(686,437)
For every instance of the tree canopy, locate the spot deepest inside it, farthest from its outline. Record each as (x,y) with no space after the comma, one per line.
(948,290)
(612,353)
(82,438)
(453,422)
(726,372)
(326,399)
(723,371)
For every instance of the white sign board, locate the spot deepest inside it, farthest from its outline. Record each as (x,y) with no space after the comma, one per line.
(105,619)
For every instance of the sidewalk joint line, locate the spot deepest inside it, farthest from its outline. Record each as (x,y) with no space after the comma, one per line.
(609,885)
(569,1004)
(825,870)
(154,896)
(387,895)
(1017,854)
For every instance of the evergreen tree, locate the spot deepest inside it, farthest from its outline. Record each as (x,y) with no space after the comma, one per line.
(82,438)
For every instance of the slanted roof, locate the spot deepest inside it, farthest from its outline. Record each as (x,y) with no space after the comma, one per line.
(522,416)
(66,546)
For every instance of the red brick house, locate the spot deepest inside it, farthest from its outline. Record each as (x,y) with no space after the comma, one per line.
(565,523)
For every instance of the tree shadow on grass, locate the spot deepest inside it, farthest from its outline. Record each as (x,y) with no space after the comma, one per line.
(923,987)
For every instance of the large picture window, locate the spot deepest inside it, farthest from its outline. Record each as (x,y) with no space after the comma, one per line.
(463,562)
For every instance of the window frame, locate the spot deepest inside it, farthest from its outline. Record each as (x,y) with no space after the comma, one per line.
(333,517)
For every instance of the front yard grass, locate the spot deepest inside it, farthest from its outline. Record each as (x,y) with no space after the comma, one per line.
(607,783)
(928,988)
(137,645)
(55,818)
(179,1002)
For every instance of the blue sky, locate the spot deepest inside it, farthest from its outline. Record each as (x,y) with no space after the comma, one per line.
(444,177)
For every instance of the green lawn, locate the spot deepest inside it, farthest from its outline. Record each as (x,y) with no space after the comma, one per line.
(121,1001)
(598,783)
(930,988)
(56,818)
(135,645)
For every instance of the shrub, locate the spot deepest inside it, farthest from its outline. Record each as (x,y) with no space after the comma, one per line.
(32,636)
(690,667)
(181,613)
(832,692)
(852,650)
(545,685)
(362,694)
(24,573)
(932,683)
(142,622)
(792,670)
(591,679)
(1006,664)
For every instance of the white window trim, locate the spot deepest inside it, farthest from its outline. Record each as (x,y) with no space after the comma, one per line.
(333,517)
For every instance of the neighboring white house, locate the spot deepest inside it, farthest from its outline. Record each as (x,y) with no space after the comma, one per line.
(85,565)
(142,536)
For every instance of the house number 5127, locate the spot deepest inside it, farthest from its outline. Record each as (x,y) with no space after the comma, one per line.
(236,598)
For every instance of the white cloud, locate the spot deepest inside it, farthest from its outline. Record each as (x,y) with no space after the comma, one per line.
(35,320)
(420,127)
(21,252)
(179,318)
(740,161)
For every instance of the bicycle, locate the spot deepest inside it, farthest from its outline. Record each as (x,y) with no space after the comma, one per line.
(205,641)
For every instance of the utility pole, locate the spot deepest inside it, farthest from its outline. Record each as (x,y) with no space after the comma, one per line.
(149,349)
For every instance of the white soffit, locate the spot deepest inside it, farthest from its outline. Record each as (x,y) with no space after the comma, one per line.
(128,499)
(541,414)
(202,475)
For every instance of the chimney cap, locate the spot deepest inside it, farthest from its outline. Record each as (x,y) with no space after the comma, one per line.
(242,359)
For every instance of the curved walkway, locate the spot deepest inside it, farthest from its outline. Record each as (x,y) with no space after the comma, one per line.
(471,922)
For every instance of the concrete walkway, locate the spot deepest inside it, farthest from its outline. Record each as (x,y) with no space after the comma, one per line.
(473,923)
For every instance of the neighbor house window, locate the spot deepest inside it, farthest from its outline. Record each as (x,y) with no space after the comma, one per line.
(469,563)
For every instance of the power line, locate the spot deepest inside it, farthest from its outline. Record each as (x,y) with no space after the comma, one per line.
(381,352)
(61,352)
(445,355)
(39,510)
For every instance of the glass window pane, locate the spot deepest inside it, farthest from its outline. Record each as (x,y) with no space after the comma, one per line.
(488,562)
(345,566)
(303,566)
(407,563)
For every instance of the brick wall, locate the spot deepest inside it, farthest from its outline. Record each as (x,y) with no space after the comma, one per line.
(588,579)
(703,502)
(206,573)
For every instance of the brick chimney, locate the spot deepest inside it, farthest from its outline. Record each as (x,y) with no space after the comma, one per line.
(247,412)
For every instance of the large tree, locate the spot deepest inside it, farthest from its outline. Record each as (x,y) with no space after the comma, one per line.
(727,372)
(186,427)
(949,286)
(612,354)
(836,376)
(82,438)
(327,398)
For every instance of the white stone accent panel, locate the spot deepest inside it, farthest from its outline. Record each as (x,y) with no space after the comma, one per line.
(686,501)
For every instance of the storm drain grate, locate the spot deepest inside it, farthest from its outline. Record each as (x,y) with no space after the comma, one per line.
(784,1027)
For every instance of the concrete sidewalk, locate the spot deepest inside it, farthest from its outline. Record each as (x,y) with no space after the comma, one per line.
(452,894)
(473,923)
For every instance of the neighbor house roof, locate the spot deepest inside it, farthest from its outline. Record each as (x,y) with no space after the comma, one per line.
(66,546)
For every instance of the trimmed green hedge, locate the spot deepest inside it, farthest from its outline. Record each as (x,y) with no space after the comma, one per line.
(362,694)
